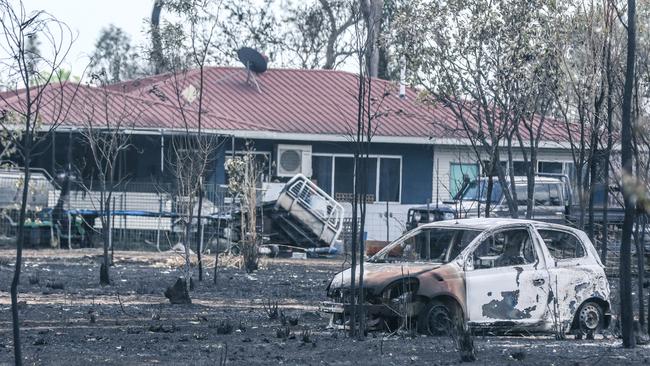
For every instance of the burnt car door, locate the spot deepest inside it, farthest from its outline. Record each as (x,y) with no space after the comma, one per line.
(506,279)
(576,272)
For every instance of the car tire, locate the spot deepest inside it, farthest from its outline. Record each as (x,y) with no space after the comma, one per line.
(590,320)
(438,318)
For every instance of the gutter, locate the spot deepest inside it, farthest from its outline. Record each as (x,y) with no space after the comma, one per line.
(290,136)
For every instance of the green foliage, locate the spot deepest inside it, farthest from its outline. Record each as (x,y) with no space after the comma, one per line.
(495,52)
(306,34)
(114,56)
(236,169)
(13,125)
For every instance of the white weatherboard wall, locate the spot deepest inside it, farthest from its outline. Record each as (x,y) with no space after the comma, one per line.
(445,155)
(376,219)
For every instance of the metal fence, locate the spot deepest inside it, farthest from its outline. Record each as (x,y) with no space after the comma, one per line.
(145,216)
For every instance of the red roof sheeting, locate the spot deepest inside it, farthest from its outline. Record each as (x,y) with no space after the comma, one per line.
(288,102)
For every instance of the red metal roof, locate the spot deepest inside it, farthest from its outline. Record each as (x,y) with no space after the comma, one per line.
(289,101)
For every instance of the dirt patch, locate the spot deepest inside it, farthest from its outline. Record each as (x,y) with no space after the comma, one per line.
(131,322)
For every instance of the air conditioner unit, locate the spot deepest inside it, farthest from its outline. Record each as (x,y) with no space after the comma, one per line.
(292,160)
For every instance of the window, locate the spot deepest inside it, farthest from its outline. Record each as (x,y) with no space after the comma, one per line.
(522,194)
(547,195)
(555,195)
(389,179)
(343,175)
(322,172)
(542,195)
(505,248)
(491,170)
(371,177)
(549,167)
(520,168)
(439,245)
(461,174)
(383,181)
(477,191)
(561,244)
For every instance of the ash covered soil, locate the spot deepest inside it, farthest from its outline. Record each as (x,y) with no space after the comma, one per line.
(68,319)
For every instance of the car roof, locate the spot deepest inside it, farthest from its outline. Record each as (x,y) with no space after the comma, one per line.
(486,223)
(432,207)
(479,223)
(538,179)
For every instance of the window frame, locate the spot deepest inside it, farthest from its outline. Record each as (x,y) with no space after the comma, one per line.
(538,252)
(377,175)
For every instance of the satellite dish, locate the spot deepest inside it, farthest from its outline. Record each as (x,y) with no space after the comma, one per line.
(252,59)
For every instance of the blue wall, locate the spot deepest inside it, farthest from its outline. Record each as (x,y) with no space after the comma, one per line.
(417,162)
(142,162)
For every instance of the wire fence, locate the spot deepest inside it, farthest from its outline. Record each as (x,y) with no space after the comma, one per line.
(145,216)
(149,216)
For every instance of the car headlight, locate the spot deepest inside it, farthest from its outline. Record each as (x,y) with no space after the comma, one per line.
(417,216)
(448,216)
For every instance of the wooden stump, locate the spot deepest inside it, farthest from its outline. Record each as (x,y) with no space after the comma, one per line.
(177,293)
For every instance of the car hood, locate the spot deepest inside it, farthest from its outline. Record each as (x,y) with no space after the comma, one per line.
(378,275)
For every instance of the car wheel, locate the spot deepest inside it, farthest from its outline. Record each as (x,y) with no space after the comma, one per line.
(590,319)
(437,319)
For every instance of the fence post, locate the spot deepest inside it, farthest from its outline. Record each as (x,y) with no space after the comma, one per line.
(387,223)
(69,229)
(111,223)
(160,209)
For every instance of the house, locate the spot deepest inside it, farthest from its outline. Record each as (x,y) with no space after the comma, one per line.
(295,121)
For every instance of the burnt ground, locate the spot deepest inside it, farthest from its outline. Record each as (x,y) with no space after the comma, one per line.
(67,318)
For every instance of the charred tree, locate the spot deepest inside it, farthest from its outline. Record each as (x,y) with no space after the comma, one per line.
(627,313)
(39,89)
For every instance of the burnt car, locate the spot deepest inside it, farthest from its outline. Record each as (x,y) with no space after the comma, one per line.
(497,274)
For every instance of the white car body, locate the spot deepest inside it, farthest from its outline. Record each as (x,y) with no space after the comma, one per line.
(545,290)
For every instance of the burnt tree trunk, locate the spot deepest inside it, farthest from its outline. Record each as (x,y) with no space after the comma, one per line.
(104,278)
(608,151)
(199,241)
(18,358)
(627,315)
(640,265)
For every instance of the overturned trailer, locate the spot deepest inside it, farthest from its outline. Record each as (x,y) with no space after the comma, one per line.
(306,215)
(300,216)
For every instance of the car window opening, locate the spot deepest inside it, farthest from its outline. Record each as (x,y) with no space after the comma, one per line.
(438,245)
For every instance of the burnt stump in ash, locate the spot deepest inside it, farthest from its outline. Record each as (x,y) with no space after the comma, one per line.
(177,293)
